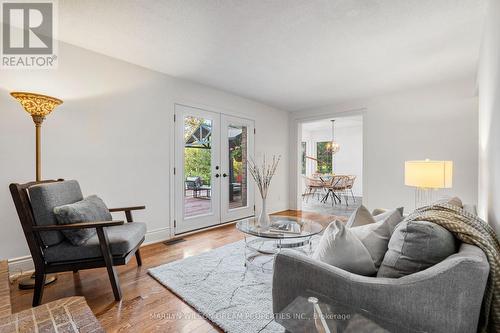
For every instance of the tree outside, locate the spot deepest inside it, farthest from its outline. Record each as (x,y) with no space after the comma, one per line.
(197,160)
(324,157)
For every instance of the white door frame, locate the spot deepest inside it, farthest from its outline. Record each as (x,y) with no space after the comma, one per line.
(228,214)
(217,216)
(295,197)
(183,223)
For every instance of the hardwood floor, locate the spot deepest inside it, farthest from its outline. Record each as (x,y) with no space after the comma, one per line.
(146,305)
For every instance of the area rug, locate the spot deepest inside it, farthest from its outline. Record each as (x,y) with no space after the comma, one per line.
(218,285)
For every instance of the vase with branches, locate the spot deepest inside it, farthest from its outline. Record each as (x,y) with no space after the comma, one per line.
(262,175)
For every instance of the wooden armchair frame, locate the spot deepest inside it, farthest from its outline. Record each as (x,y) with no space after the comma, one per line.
(42,267)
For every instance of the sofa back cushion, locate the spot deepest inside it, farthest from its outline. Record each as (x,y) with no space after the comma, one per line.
(45,197)
(90,209)
(415,246)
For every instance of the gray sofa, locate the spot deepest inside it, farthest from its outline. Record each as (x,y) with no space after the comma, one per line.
(445,297)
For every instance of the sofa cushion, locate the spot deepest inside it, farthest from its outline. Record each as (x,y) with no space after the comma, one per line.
(375,236)
(470,209)
(387,213)
(90,209)
(378,211)
(44,197)
(339,247)
(122,240)
(361,216)
(455,201)
(415,246)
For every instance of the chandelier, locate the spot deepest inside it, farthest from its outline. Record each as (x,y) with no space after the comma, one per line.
(333,147)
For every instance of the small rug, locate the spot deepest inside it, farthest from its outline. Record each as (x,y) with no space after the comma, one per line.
(218,285)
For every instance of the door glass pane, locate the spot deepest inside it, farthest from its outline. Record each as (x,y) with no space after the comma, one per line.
(197,166)
(237,136)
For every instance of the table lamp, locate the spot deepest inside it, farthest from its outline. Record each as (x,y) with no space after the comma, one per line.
(428,176)
(38,106)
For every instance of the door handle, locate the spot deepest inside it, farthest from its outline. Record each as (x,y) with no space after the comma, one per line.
(224,175)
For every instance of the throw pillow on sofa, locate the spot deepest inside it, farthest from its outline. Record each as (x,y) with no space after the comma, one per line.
(361,216)
(376,235)
(387,213)
(90,209)
(455,201)
(415,246)
(340,247)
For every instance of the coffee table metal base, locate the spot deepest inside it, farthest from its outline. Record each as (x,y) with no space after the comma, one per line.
(257,248)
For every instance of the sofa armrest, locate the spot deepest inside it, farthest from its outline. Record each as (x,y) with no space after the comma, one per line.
(446,297)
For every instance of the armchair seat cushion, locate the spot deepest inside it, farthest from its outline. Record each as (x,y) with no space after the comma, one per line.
(122,239)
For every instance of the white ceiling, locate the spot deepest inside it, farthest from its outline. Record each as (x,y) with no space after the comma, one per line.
(292,54)
(326,124)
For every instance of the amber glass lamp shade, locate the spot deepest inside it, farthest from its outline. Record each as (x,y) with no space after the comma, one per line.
(38,106)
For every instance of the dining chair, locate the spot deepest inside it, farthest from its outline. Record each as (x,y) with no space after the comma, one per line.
(313,186)
(350,184)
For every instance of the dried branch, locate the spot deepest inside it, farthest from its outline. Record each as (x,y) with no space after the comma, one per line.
(263,174)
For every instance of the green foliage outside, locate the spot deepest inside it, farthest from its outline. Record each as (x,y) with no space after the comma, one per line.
(324,157)
(197,164)
(197,161)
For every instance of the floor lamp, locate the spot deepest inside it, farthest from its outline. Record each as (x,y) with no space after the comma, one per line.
(38,106)
(427,177)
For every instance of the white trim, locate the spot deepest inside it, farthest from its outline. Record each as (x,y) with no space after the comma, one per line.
(20,265)
(228,214)
(294,198)
(156,236)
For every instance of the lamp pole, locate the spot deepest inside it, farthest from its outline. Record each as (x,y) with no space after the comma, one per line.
(38,151)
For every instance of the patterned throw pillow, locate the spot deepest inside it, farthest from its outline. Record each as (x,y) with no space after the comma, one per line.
(90,209)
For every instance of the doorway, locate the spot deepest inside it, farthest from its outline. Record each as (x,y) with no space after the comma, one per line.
(212,184)
(330,172)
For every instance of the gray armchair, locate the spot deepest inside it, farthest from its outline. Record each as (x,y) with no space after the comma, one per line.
(114,244)
(446,297)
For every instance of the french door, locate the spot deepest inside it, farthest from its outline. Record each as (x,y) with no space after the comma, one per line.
(212,183)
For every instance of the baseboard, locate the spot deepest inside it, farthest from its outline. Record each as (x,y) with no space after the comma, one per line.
(156,236)
(25,263)
(20,265)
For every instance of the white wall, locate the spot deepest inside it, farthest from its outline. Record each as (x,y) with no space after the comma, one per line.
(489,119)
(349,160)
(437,122)
(114,134)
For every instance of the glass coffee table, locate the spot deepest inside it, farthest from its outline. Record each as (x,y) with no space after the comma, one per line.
(316,313)
(262,245)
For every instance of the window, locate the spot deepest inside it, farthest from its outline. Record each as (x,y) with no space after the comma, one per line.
(303,154)
(324,157)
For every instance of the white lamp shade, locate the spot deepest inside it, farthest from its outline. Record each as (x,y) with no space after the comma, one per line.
(429,174)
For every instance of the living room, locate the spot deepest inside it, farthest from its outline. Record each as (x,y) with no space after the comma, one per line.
(190,115)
